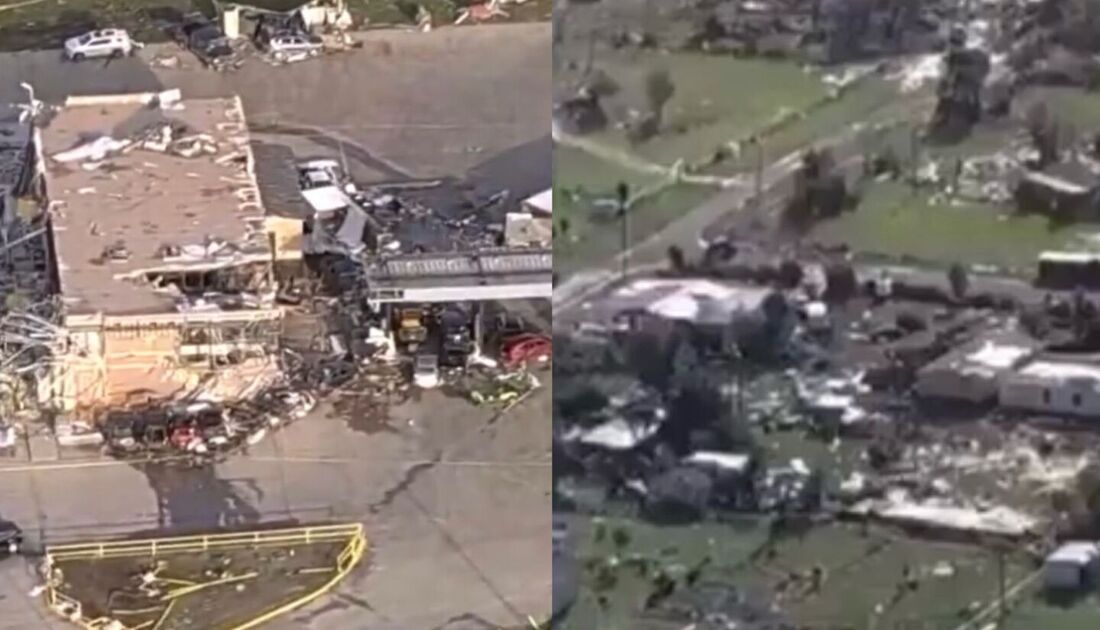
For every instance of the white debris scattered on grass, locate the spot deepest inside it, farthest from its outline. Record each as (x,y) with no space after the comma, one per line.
(943,569)
(919,71)
(997,520)
(847,76)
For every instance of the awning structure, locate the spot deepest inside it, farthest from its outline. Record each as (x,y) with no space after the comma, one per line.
(462,277)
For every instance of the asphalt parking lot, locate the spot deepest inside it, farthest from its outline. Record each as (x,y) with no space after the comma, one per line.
(407,104)
(455,500)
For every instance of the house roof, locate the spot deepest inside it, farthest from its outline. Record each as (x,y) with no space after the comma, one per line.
(111,180)
(1062,371)
(1070,178)
(988,356)
(698,301)
(1075,552)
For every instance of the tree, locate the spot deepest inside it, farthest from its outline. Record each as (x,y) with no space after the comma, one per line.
(676,260)
(840,283)
(790,274)
(1045,132)
(659,90)
(620,537)
(959,279)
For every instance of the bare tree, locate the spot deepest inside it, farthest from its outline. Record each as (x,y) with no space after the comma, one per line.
(659,90)
(959,279)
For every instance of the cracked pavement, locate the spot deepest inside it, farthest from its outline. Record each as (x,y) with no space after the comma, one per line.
(455,502)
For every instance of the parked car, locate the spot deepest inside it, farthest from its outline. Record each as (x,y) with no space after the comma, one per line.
(525,349)
(426,371)
(294,45)
(11,538)
(109,42)
(206,40)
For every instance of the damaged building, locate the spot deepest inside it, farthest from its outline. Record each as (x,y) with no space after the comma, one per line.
(973,373)
(1054,385)
(161,257)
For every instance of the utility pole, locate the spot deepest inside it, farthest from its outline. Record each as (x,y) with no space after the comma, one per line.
(758,174)
(623,192)
(914,156)
(591,51)
(1002,611)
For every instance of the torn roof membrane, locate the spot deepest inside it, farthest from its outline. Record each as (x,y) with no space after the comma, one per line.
(174,191)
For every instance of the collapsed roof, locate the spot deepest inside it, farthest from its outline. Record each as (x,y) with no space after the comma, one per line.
(137,187)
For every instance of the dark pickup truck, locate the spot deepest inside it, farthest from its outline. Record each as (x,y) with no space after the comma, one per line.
(207,41)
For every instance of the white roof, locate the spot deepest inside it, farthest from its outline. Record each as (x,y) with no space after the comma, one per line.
(998,356)
(701,301)
(351,231)
(326,198)
(617,434)
(1057,183)
(542,202)
(1069,257)
(1076,552)
(1059,371)
(737,462)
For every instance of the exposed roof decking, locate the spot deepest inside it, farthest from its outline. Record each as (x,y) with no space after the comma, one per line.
(207,206)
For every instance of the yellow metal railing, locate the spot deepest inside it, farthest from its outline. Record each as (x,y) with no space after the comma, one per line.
(153,547)
(346,561)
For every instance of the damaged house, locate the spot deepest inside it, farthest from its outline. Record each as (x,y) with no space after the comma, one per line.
(972,374)
(160,252)
(1054,385)
(16,158)
(1065,192)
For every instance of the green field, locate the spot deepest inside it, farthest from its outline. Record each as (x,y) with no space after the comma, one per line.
(860,589)
(892,221)
(1034,611)
(870,101)
(718,99)
(594,234)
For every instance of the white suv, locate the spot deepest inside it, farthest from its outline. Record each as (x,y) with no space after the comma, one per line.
(285,47)
(109,42)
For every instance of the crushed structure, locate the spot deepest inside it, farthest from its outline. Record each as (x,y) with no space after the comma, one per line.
(973,373)
(162,257)
(1055,385)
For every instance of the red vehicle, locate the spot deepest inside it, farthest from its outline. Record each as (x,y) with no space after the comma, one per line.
(524,349)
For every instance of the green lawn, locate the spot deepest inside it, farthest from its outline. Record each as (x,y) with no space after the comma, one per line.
(671,548)
(594,236)
(892,221)
(1071,105)
(860,589)
(718,98)
(871,100)
(1033,611)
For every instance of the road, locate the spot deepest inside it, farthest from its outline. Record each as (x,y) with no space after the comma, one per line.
(685,233)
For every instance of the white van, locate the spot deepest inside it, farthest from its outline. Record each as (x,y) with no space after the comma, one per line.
(109,42)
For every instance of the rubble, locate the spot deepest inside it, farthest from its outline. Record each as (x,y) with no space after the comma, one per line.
(941,515)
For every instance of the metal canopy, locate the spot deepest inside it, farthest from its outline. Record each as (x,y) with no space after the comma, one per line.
(497,275)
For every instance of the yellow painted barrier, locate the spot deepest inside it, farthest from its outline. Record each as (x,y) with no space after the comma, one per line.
(346,561)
